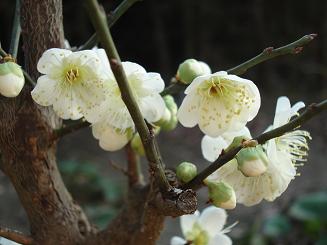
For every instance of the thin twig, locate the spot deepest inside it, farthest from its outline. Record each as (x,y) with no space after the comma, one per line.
(267,54)
(16,30)
(225,157)
(26,75)
(67,129)
(135,175)
(112,18)
(16,236)
(118,167)
(100,23)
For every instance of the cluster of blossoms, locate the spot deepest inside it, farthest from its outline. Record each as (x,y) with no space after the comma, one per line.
(82,85)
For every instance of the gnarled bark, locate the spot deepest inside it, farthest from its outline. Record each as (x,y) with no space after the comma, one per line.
(26,142)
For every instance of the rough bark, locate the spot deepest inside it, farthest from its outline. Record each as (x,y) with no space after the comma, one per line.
(26,139)
(132,226)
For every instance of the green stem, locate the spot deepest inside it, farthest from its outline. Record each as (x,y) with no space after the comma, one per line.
(99,21)
(267,54)
(16,30)
(112,18)
(225,157)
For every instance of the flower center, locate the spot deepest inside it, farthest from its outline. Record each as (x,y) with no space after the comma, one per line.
(197,236)
(72,75)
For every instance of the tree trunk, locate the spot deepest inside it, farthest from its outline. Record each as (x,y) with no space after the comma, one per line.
(26,144)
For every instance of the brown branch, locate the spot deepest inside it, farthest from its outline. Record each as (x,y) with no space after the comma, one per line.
(225,157)
(99,21)
(135,176)
(112,18)
(15,236)
(267,54)
(70,128)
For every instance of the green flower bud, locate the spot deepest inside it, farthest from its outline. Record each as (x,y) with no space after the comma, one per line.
(170,104)
(190,69)
(171,125)
(252,161)
(169,121)
(137,145)
(186,171)
(221,194)
(11,79)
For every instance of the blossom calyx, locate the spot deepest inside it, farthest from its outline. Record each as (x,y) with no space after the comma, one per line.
(186,171)
(221,194)
(190,69)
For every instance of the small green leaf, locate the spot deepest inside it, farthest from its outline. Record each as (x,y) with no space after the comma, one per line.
(277,226)
(310,207)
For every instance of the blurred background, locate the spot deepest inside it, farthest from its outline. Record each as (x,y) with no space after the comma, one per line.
(161,34)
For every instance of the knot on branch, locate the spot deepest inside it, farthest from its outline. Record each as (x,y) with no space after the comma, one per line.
(178,203)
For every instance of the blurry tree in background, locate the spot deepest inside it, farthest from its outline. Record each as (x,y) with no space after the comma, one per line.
(159,35)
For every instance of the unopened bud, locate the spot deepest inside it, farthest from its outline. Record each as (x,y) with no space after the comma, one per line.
(170,104)
(186,171)
(11,79)
(171,125)
(221,194)
(190,69)
(169,120)
(252,161)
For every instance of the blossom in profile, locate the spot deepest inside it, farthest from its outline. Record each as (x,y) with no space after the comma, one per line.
(204,229)
(219,103)
(283,154)
(72,82)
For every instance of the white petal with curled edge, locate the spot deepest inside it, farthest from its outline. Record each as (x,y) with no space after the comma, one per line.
(212,147)
(220,239)
(212,220)
(45,91)
(51,60)
(187,222)
(132,68)
(195,84)
(177,241)
(152,107)
(109,138)
(105,62)
(152,82)
(188,112)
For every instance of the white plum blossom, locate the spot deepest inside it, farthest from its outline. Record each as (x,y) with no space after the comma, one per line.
(282,153)
(146,87)
(72,82)
(219,103)
(204,229)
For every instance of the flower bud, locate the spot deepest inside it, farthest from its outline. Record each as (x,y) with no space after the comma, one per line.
(11,79)
(170,104)
(252,161)
(137,145)
(221,194)
(190,69)
(186,171)
(169,121)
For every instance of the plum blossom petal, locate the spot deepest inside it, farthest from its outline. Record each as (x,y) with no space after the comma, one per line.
(219,103)
(213,219)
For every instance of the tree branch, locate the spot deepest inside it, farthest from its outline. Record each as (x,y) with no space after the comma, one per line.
(112,18)
(16,30)
(100,23)
(310,112)
(70,128)
(267,54)
(15,236)
(135,176)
